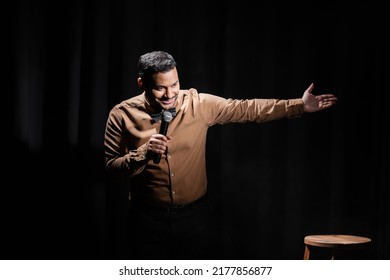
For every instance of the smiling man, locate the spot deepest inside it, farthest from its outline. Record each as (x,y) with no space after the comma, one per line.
(169,216)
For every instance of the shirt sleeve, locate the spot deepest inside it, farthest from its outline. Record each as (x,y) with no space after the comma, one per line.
(219,110)
(120,161)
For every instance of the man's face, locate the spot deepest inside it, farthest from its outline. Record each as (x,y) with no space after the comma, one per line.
(163,89)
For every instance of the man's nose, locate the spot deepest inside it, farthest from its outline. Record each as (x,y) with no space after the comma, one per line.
(170,93)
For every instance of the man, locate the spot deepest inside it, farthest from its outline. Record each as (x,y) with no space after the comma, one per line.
(166,171)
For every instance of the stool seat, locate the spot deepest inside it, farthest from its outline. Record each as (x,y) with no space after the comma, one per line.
(334,242)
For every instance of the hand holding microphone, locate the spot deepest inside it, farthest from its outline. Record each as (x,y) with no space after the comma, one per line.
(166,118)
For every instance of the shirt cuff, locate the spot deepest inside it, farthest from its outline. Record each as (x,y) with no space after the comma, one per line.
(295,108)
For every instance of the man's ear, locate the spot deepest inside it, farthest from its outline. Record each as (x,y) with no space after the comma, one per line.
(140,83)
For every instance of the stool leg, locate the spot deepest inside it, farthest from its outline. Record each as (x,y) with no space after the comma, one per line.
(333,254)
(306,255)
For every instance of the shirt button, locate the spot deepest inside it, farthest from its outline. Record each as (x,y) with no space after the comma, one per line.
(172,174)
(173,192)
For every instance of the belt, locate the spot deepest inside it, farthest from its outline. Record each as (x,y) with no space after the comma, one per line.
(174,208)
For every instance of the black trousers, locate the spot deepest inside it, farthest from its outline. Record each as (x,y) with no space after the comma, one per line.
(187,233)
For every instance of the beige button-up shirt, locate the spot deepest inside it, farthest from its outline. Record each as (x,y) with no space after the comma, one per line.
(180,177)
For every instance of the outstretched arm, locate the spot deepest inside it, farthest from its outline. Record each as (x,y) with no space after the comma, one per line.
(313,103)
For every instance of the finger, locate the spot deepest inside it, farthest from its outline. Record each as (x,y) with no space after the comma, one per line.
(328,96)
(161,149)
(162,137)
(310,88)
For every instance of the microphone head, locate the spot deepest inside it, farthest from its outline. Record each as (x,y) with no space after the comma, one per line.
(167,116)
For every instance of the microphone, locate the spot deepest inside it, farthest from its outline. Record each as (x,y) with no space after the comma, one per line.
(166,118)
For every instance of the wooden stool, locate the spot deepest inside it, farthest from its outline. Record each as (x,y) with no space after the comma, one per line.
(333,244)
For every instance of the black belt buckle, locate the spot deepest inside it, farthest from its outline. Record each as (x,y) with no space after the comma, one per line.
(181,208)
(178,208)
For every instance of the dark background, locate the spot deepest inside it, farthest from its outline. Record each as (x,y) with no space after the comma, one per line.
(271,184)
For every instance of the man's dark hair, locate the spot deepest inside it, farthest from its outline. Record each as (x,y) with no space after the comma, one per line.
(155,62)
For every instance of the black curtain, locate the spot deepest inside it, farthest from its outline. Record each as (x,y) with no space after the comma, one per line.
(270,184)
